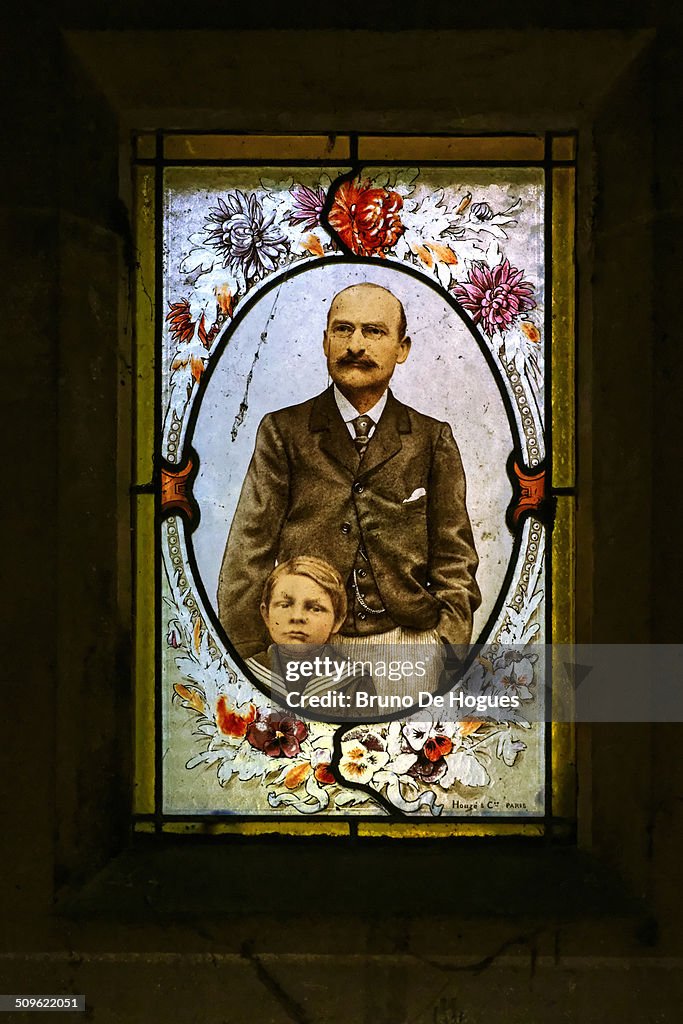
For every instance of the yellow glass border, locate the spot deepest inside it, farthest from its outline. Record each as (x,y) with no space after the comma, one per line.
(144,651)
(257,828)
(563,474)
(562,340)
(563,734)
(144,362)
(480,829)
(146,146)
(451,148)
(257,147)
(144,826)
(563,147)
(143,507)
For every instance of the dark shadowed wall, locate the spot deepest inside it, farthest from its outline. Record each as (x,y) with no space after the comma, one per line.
(324,931)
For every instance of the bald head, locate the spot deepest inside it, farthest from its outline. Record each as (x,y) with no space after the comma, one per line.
(382,294)
(364,341)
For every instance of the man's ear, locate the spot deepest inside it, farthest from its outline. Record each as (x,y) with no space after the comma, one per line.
(326,344)
(264,613)
(404,349)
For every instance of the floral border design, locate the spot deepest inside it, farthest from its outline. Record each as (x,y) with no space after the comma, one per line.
(459,239)
(456,238)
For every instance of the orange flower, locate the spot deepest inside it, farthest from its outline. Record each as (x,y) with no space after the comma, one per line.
(436,747)
(230,722)
(366,219)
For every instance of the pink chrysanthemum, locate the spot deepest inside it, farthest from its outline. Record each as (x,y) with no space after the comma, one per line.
(308,206)
(495,296)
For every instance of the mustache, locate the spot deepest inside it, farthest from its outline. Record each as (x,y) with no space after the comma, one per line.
(350,360)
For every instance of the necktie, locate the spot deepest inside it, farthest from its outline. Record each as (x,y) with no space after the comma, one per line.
(362,426)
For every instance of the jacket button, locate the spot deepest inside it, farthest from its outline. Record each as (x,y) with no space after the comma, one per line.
(362,573)
(358,488)
(346,528)
(362,616)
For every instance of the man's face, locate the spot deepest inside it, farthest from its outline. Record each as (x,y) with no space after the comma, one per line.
(363,340)
(299,612)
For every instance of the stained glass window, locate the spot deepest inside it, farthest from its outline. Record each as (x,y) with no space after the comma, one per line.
(288,289)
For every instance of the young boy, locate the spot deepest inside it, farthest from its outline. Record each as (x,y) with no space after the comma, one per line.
(303,602)
(303,606)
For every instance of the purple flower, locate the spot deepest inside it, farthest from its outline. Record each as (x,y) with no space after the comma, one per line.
(277,735)
(245,238)
(308,206)
(495,295)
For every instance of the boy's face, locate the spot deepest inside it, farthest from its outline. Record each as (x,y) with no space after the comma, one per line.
(300,612)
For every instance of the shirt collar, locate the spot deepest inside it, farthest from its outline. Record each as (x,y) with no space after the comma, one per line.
(349,412)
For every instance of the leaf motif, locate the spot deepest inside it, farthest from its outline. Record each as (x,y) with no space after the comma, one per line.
(468,725)
(311,243)
(197,366)
(348,798)
(191,697)
(207,757)
(197,634)
(180,322)
(402,248)
(443,252)
(404,180)
(225,299)
(423,253)
(296,775)
(201,331)
(380,180)
(531,330)
(443,272)
(464,203)
(493,253)
(225,772)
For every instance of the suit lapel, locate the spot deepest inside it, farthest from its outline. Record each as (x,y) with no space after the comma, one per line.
(386,441)
(335,439)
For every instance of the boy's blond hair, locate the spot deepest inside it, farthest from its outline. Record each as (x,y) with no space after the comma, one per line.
(321,572)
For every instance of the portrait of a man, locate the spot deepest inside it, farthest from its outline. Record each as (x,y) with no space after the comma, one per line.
(363,481)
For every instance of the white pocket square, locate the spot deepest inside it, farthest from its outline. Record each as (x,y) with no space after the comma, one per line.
(419,492)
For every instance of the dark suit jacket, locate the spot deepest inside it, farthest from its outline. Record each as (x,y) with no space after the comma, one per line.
(306,494)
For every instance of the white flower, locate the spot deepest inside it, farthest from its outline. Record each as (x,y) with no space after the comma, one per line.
(358,764)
